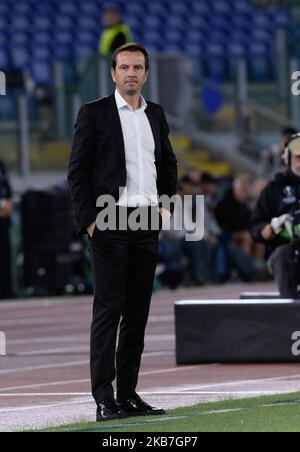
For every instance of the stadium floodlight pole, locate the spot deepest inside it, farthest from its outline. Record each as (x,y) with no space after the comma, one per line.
(241,98)
(60,99)
(154,78)
(23,137)
(282,62)
(103,74)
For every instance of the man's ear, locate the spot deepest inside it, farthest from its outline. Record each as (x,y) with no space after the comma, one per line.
(112,71)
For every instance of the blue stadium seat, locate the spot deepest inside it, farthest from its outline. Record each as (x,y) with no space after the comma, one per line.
(152,38)
(261,36)
(262,20)
(173,37)
(20,23)
(64,23)
(68,9)
(235,51)
(281,17)
(158,9)
(42,72)
(3,39)
(85,37)
(195,54)
(178,7)
(195,37)
(216,62)
(42,37)
(19,38)
(4,60)
(176,23)
(63,51)
(91,9)
(63,38)
(85,50)
(239,37)
(41,53)
(260,62)
(196,23)
(200,8)
(42,23)
(22,8)
(8,108)
(20,56)
(152,23)
(89,24)
(4,9)
(172,48)
(221,6)
(135,9)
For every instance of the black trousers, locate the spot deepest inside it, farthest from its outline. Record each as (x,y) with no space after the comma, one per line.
(124,264)
(5,262)
(286,273)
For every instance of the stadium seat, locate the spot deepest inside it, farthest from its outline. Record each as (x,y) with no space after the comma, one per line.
(20,57)
(216,62)
(42,23)
(260,62)
(42,72)
(235,52)
(20,23)
(4,60)
(41,53)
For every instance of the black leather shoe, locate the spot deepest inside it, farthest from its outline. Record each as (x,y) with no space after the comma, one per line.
(108,411)
(135,406)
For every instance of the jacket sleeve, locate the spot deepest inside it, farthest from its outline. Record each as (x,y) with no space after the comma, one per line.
(80,169)
(263,214)
(169,161)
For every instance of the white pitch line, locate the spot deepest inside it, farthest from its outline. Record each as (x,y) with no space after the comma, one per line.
(67,382)
(72,364)
(48,394)
(146,393)
(84,336)
(41,321)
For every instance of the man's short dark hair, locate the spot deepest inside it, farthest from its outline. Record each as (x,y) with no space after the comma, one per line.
(130,47)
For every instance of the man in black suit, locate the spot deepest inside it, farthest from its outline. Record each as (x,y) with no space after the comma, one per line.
(6,207)
(120,147)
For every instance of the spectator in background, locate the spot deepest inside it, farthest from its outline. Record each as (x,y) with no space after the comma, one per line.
(6,206)
(233,215)
(271,160)
(116,32)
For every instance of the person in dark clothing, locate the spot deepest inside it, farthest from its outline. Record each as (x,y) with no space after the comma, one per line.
(116,32)
(274,221)
(121,142)
(233,215)
(6,206)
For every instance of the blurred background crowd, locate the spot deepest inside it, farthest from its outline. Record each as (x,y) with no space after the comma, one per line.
(222,71)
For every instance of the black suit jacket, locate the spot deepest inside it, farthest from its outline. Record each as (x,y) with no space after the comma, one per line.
(97,164)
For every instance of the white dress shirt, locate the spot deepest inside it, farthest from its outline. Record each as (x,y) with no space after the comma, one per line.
(139,153)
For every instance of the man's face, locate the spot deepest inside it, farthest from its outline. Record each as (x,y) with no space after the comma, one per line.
(130,74)
(111,18)
(296,165)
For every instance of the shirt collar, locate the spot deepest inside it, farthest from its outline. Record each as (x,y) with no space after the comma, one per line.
(121,102)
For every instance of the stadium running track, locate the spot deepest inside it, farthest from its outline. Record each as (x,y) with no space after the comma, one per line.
(44,378)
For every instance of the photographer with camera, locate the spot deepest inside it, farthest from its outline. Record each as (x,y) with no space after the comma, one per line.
(276,222)
(6,206)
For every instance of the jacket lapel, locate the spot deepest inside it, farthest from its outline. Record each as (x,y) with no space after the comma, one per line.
(155,126)
(115,125)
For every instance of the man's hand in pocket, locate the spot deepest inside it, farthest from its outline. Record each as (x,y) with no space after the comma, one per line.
(91,229)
